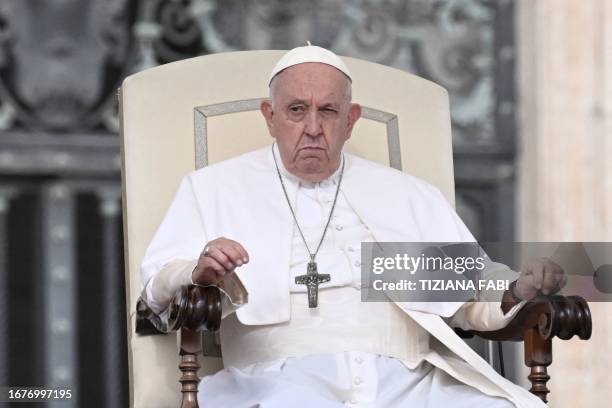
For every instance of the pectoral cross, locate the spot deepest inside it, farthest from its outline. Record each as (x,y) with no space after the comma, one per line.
(312,279)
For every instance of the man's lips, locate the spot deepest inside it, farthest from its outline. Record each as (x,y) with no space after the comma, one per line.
(311,151)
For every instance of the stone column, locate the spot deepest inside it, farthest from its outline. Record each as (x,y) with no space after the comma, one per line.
(565,161)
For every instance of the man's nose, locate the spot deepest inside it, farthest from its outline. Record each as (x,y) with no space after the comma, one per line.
(313,123)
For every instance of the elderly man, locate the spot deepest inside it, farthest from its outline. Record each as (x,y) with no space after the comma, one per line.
(284,225)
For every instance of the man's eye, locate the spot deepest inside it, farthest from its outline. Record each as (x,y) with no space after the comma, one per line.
(328,110)
(296,109)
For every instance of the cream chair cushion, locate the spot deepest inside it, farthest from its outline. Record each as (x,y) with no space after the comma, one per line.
(179,116)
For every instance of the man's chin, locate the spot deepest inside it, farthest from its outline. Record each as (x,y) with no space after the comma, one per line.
(311,171)
(311,165)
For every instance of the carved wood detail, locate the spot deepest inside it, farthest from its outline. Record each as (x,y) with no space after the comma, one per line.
(196,308)
(193,310)
(536,324)
(190,347)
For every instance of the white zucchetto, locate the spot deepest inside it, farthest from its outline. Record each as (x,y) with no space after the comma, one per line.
(309,53)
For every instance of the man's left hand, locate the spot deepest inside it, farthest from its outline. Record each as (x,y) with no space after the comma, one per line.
(539,276)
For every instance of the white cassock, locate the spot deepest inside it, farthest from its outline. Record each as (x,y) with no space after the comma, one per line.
(278,351)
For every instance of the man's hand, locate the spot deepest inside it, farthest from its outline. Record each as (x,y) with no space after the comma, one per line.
(219,258)
(539,276)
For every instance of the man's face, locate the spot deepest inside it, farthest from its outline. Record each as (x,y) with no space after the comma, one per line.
(311,118)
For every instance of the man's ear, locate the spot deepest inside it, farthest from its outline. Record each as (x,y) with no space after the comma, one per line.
(353,115)
(266,110)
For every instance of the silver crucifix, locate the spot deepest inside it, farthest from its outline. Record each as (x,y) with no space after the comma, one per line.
(312,279)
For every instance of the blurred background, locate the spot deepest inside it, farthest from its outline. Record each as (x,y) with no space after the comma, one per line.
(530,89)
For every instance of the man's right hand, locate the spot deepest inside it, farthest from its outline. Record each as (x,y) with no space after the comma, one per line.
(219,258)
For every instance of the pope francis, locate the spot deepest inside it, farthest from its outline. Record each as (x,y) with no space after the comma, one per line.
(279,231)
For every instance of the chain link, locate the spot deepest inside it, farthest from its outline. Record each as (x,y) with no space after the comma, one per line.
(280,177)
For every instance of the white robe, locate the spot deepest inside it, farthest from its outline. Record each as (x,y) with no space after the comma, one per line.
(241,199)
(353,379)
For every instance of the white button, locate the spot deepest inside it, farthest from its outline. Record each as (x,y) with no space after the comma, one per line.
(357,381)
(350,249)
(358,360)
(357,263)
(339,227)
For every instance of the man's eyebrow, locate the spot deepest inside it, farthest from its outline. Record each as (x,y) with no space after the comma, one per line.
(307,103)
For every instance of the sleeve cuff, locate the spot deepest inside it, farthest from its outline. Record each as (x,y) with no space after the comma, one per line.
(484,316)
(162,287)
(234,294)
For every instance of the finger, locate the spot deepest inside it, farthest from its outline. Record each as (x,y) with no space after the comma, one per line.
(221,257)
(232,254)
(549,282)
(243,253)
(556,267)
(527,272)
(560,277)
(215,242)
(537,270)
(217,269)
(208,271)
(562,281)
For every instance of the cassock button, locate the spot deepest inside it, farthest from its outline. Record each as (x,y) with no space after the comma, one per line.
(357,264)
(358,360)
(339,227)
(350,249)
(357,381)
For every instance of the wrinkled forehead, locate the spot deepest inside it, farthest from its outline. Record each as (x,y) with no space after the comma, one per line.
(311,79)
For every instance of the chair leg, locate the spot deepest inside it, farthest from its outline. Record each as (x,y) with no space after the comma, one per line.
(190,347)
(538,356)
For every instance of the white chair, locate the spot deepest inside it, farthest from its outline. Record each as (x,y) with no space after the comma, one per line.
(184,115)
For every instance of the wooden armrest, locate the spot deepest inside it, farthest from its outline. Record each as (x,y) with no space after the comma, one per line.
(196,308)
(193,309)
(560,316)
(536,324)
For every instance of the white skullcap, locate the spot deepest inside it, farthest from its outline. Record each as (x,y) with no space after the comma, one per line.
(309,53)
